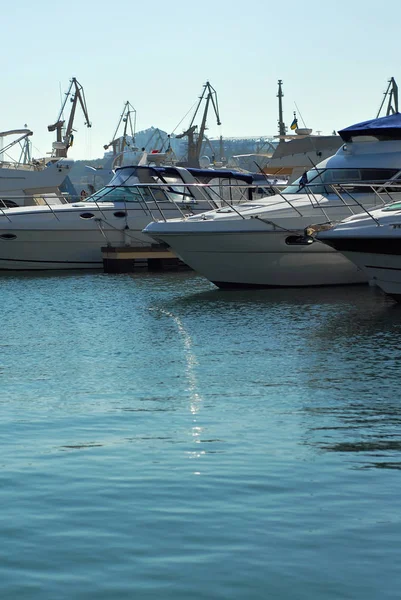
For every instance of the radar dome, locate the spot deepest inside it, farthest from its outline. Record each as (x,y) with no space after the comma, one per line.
(303,131)
(204,162)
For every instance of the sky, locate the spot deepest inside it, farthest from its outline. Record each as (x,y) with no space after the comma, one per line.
(334,58)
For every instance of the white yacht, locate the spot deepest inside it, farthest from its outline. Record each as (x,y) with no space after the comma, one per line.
(263,243)
(28,181)
(70,236)
(296,153)
(372,241)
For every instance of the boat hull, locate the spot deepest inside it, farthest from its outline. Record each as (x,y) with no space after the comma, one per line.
(379,258)
(43,250)
(65,239)
(262,259)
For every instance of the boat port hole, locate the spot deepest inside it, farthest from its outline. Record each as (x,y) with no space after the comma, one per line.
(120,214)
(299,240)
(86,215)
(8,236)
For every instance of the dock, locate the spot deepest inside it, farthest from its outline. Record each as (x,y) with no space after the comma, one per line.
(128,259)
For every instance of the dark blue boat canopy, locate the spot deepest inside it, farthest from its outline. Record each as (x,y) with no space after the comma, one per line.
(384,128)
(123,175)
(221,173)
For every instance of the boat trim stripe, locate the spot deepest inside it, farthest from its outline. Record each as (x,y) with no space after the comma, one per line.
(55,262)
(383,268)
(365,245)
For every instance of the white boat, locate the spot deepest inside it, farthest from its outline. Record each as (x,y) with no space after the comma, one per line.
(297,153)
(372,241)
(263,244)
(28,181)
(71,236)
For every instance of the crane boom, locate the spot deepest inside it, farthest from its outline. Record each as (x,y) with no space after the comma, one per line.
(119,144)
(64,142)
(392,94)
(195,142)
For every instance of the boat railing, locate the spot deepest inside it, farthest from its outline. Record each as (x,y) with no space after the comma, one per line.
(337,194)
(13,201)
(187,198)
(371,195)
(156,198)
(201,197)
(382,195)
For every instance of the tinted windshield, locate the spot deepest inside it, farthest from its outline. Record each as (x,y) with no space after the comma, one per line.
(141,194)
(315,179)
(119,194)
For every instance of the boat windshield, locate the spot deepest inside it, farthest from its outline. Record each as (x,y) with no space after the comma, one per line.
(318,181)
(119,194)
(141,194)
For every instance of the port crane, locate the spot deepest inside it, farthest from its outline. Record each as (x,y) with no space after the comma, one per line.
(196,137)
(64,141)
(23,141)
(392,94)
(127,139)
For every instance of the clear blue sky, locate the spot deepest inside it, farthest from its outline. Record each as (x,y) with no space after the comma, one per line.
(334,58)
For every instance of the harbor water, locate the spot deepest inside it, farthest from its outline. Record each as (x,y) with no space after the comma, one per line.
(162,439)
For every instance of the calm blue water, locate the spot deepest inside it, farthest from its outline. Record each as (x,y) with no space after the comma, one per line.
(163,439)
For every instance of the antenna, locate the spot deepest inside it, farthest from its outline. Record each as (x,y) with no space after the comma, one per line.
(299,112)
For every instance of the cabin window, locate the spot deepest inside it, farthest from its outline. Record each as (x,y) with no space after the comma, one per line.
(320,181)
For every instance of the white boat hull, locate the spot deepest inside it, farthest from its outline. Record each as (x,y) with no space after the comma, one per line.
(373,243)
(44,250)
(384,270)
(262,259)
(61,239)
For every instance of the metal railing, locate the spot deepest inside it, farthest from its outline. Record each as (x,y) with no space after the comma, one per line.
(26,200)
(157,199)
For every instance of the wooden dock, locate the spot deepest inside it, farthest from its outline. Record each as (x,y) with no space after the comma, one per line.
(128,259)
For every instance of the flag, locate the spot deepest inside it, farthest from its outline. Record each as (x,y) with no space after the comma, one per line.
(294,124)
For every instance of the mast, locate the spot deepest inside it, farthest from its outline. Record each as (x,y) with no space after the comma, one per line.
(221,149)
(280,96)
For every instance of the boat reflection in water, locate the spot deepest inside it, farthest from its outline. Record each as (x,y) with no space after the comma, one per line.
(351,408)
